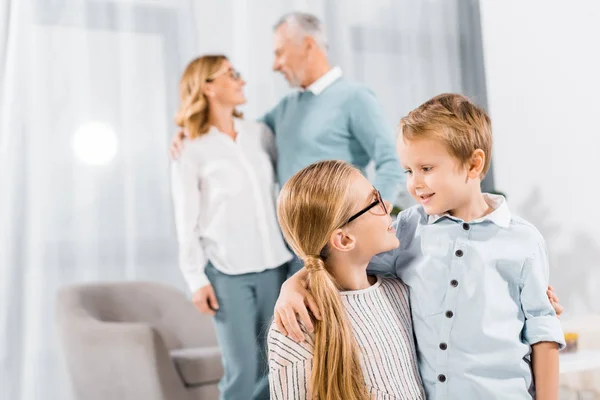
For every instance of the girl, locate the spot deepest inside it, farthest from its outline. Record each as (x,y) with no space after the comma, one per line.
(231,249)
(362,348)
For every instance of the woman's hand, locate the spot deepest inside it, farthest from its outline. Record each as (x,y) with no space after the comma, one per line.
(205,300)
(293,302)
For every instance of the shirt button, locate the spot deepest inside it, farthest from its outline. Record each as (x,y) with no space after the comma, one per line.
(442,378)
(443,346)
(459,253)
(466,227)
(449,314)
(454,283)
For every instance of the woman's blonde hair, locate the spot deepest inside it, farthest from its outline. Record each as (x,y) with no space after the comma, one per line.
(193,108)
(311,206)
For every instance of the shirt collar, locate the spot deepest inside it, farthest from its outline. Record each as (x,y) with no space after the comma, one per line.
(500,216)
(318,86)
(237,126)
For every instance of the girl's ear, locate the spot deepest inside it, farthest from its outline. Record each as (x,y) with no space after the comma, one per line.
(341,241)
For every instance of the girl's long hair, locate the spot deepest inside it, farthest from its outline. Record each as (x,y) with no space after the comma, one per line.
(314,203)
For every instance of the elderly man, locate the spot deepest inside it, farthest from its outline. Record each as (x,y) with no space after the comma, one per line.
(330,117)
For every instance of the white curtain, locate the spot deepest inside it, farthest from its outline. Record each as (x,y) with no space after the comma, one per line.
(67,63)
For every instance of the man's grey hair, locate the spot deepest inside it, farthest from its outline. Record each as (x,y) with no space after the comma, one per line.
(304,25)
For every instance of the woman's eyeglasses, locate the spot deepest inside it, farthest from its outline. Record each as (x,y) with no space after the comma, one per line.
(234,74)
(378,201)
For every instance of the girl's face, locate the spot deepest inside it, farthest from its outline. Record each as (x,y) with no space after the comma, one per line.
(371,224)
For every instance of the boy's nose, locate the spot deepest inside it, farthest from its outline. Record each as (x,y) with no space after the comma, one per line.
(418,182)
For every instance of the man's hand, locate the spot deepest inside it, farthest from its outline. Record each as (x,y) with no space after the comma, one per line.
(292,302)
(205,300)
(554,300)
(177,145)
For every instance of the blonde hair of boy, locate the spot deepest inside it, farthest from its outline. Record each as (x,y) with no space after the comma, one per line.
(314,203)
(455,121)
(194,107)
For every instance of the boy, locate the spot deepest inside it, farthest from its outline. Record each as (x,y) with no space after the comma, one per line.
(477,274)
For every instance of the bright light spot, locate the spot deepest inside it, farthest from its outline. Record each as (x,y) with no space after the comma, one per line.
(95,143)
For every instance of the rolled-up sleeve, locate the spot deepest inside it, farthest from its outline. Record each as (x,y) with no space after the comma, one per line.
(186,201)
(541,322)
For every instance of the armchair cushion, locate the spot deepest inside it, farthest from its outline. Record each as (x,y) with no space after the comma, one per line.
(198,365)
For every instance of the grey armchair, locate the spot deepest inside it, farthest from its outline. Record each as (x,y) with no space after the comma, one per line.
(137,340)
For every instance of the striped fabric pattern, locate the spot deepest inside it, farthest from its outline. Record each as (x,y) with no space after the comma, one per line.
(381,321)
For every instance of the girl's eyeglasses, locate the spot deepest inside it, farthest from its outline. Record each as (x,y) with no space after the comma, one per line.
(378,201)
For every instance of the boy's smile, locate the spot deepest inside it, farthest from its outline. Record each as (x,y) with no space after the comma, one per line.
(438,180)
(432,174)
(425,198)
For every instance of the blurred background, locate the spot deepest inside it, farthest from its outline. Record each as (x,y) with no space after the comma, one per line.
(89,89)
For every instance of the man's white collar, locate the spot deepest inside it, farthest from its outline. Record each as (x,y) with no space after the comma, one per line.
(318,86)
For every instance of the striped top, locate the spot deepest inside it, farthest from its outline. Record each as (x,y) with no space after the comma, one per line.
(381,321)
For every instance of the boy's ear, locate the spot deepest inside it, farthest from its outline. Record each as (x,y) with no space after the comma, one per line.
(476,164)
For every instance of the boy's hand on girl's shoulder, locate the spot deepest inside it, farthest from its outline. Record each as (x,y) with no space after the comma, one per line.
(294,303)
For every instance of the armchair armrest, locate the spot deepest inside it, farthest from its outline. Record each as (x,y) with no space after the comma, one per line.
(133,354)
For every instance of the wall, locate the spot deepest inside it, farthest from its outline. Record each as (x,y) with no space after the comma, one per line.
(542,70)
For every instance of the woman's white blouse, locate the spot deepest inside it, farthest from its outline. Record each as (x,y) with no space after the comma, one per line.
(224,197)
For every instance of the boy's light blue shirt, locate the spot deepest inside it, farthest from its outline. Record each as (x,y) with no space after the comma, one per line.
(478,299)
(336,120)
